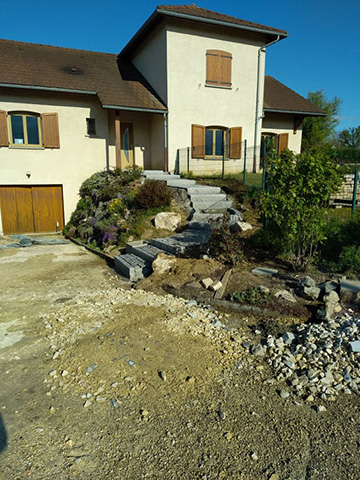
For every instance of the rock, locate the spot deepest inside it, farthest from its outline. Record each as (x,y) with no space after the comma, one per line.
(307,282)
(311,293)
(254,456)
(215,286)
(321,408)
(288,338)
(228,435)
(285,295)
(162,375)
(190,380)
(240,227)
(167,221)
(284,394)
(355,346)
(163,263)
(258,350)
(114,403)
(332,306)
(206,282)
(274,476)
(264,289)
(52,410)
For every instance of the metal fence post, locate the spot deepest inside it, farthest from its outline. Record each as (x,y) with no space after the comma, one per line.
(356,178)
(188,159)
(244,172)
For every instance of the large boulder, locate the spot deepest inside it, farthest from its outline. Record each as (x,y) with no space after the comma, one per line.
(167,221)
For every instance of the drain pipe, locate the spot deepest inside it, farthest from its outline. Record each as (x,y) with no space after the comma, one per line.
(166,154)
(257,118)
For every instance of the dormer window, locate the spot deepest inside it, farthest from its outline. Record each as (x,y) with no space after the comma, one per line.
(218,68)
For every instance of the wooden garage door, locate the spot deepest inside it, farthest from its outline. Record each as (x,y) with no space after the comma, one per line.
(31,209)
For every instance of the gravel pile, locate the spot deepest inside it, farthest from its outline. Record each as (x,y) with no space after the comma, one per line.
(317,360)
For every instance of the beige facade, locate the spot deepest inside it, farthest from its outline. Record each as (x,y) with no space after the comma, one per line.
(80,154)
(278,124)
(181,56)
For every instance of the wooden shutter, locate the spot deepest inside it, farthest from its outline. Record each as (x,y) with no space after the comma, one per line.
(197,141)
(4,138)
(50,125)
(218,68)
(283,141)
(235,142)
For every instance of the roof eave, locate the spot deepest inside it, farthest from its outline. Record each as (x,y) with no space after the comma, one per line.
(159,15)
(47,89)
(295,112)
(134,109)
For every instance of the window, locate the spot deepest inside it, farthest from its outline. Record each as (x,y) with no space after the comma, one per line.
(90,126)
(218,68)
(213,142)
(27,129)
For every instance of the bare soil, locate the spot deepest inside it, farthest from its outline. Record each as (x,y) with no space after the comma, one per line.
(104,381)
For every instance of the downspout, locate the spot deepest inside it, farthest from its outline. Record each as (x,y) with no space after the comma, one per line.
(261,49)
(166,160)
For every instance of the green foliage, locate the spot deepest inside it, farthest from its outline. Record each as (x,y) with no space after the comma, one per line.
(299,190)
(317,131)
(226,246)
(340,251)
(350,138)
(250,296)
(153,194)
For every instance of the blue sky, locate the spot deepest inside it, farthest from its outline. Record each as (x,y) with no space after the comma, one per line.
(321,53)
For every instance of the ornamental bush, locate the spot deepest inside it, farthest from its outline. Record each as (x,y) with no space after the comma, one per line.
(153,194)
(299,188)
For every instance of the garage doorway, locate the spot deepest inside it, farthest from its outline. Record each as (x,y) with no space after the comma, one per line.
(31,209)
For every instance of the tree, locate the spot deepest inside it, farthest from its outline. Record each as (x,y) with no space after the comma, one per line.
(296,201)
(350,138)
(318,131)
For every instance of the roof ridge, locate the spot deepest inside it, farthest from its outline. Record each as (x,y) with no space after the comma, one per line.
(230,17)
(18,42)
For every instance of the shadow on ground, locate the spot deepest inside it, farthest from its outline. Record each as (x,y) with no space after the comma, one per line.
(3,436)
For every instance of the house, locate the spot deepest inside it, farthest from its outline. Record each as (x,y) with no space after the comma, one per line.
(190,79)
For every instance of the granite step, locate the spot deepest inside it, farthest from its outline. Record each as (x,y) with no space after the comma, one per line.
(163,178)
(203,197)
(183,243)
(209,207)
(203,190)
(133,267)
(143,250)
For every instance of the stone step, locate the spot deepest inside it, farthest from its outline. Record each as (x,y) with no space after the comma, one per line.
(165,178)
(143,250)
(133,267)
(207,217)
(180,183)
(153,172)
(183,243)
(212,206)
(208,198)
(203,190)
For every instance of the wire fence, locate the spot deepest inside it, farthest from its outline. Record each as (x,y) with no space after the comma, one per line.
(220,163)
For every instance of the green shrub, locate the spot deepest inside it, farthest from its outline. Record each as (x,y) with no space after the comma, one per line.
(250,296)
(299,191)
(153,194)
(349,259)
(226,246)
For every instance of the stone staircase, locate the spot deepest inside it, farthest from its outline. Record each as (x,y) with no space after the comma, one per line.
(208,204)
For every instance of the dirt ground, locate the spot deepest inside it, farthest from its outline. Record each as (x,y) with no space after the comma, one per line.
(103,381)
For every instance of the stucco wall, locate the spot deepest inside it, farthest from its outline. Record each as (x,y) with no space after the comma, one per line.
(78,156)
(151,60)
(190,101)
(283,123)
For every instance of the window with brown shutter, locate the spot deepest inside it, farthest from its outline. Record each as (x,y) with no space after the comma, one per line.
(218,68)
(283,141)
(4,137)
(235,142)
(197,141)
(50,124)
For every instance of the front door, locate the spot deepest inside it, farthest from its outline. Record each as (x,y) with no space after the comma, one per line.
(127,145)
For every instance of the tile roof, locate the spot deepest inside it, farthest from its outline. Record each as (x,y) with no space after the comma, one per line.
(45,67)
(279,98)
(202,13)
